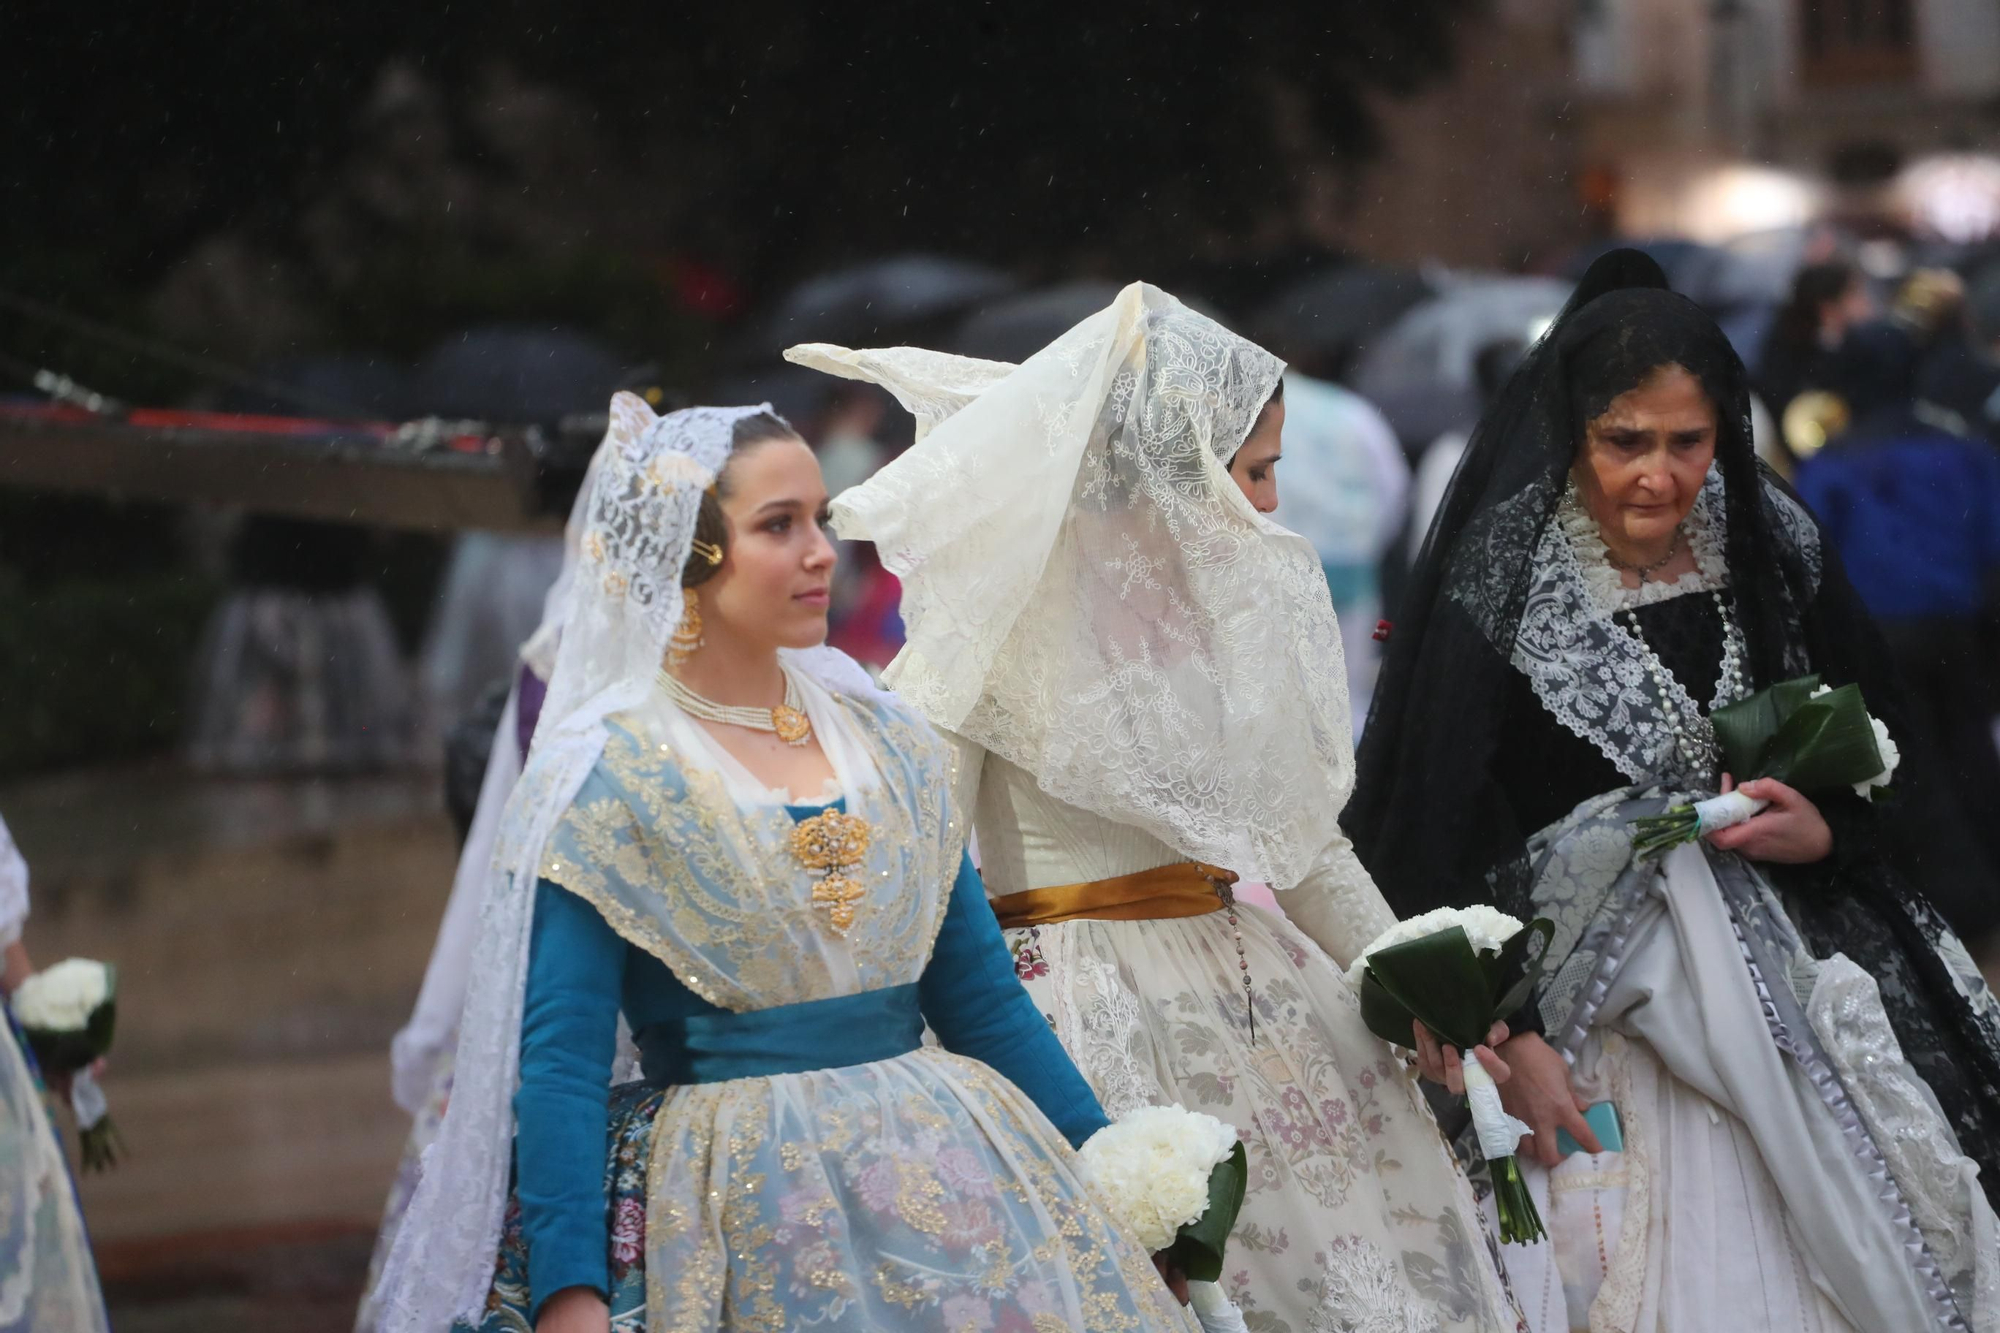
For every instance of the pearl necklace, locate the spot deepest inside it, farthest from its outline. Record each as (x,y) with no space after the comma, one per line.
(1646,572)
(1694,737)
(788,721)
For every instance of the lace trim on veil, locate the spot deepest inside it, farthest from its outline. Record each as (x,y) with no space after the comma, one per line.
(623,602)
(1089,596)
(1589,670)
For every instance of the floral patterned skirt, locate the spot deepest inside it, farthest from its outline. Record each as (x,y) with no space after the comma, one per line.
(633,1109)
(921,1192)
(1357,1216)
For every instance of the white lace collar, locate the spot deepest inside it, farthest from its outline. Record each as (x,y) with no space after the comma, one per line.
(1605,583)
(1588,668)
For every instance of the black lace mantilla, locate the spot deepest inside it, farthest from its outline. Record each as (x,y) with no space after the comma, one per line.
(1462,762)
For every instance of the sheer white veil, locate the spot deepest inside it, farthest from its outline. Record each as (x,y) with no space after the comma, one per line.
(13,888)
(623,602)
(1088,594)
(416,1055)
(539,652)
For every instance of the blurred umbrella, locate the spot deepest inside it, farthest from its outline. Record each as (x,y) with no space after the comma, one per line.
(515,373)
(1676,255)
(1754,271)
(367,387)
(1244,282)
(1420,372)
(870,303)
(1331,316)
(794,393)
(1017,327)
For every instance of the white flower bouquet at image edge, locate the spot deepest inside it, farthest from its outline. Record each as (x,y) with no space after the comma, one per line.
(1458,971)
(68,1014)
(1175,1178)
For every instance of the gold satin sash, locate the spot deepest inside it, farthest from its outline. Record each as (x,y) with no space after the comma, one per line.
(1186,888)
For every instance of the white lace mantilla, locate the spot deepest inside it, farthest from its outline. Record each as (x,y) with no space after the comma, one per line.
(624,601)
(1090,596)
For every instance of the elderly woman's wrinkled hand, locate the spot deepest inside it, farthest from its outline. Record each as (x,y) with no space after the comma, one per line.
(1791,831)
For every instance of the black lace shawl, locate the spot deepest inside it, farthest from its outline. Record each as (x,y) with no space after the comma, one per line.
(1432,814)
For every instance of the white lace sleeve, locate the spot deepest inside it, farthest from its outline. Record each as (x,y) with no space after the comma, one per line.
(1337,904)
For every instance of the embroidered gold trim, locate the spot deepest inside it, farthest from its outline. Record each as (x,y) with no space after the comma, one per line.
(712,889)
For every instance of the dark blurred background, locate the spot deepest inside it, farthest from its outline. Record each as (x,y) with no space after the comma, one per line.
(308,317)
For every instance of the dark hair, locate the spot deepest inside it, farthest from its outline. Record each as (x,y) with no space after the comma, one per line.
(711,529)
(1277,396)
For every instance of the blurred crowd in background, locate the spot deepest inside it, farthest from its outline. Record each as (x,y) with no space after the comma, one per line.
(285,288)
(1877,366)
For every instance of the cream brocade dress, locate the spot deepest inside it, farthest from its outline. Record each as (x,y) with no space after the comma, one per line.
(1358,1217)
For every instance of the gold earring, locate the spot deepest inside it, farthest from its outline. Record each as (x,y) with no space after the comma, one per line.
(686,639)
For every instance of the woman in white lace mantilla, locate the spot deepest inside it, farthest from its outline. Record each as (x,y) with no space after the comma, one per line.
(1143,677)
(732,841)
(421,1054)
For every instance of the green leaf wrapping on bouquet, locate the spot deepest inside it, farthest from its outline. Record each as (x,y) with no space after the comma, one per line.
(67,1052)
(1455,991)
(103,1025)
(1826,744)
(1382,1014)
(1743,729)
(1810,743)
(1520,959)
(1437,980)
(1197,1248)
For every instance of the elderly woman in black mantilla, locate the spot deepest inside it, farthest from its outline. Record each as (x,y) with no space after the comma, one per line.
(1800,1057)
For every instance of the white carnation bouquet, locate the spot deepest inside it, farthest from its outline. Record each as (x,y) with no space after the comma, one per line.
(68,1014)
(1487,930)
(1809,736)
(1458,971)
(1176,1178)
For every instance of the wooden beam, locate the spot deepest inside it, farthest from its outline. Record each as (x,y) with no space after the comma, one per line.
(357,478)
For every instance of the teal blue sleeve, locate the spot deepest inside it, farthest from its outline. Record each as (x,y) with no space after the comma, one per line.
(569,1037)
(978,1008)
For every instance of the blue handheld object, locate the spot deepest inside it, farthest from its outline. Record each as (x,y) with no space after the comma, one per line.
(1603,1121)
